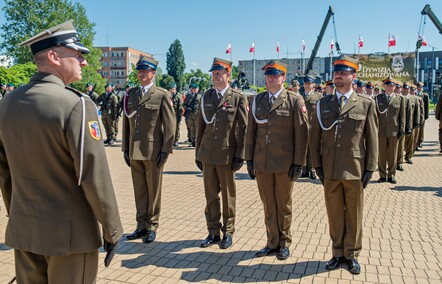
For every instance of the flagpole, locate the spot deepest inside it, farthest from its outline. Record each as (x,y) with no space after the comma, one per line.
(230,51)
(254,72)
(388,44)
(359,45)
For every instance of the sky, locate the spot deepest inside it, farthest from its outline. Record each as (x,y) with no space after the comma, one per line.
(206,27)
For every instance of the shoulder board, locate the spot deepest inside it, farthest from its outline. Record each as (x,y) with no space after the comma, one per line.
(162,89)
(77,92)
(238,91)
(292,93)
(365,96)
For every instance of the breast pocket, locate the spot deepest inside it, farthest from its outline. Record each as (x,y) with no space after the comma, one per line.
(152,111)
(358,121)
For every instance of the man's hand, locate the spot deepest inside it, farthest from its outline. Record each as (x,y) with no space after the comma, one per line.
(400,134)
(251,169)
(366,178)
(161,159)
(320,174)
(126,157)
(237,164)
(295,172)
(199,164)
(110,250)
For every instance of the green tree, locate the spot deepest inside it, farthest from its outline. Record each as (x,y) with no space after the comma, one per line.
(202,79)
(25,18)
(164,81)
(18,74)
(175,63)
(234,74)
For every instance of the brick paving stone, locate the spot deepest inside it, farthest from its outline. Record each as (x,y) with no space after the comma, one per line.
(402,236)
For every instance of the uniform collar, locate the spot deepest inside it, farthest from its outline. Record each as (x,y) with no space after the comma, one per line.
(147,87)
(346,95)
(223,91)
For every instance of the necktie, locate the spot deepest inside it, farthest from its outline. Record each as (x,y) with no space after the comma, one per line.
(388,98)
(272,100)
(218,94)
(341,102)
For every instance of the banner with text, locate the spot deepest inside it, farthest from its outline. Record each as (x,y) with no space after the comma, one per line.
(375,68)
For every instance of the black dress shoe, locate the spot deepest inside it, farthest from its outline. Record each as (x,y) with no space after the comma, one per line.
(226,242)
(106,141)
(400,168)
(382,180)
(210,240)
(137,234)
(265,251)
(305,175)
(353,266)
(392,180)
(150,236)
(283,253)
(312,176)
(409,161)
(334,263)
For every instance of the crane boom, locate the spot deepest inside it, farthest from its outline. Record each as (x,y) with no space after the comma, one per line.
(427,11)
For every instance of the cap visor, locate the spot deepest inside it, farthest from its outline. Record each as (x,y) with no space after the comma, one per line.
(77,46)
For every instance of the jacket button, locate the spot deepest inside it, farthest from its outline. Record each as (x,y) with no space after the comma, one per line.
(339,145)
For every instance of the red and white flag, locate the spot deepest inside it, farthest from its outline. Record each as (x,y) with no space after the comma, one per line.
(332,44)
(229,48)
(252,48)
(277,47)
(303,45)
(422,39)
(360,42)
(392,40)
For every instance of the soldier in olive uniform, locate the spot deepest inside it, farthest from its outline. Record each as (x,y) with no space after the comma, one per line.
(191,106)
(438,116)
(276,150)
(404,92)
(416,133)
(360,87)
(369,89)
(311,98)
(344,143)
(179,110)
(295,86)
(90,92)
(109,112)
(414,121)
(329,88)
(392,121)
(148,135)
(220,151)
(426,98)
(55,180)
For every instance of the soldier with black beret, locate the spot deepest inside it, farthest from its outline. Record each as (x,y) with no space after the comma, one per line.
(90,92)
(55,180)
(148,136)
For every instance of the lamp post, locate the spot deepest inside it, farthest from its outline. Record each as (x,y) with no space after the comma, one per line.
(433,72)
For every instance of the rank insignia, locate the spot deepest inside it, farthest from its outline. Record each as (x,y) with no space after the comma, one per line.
(94,129)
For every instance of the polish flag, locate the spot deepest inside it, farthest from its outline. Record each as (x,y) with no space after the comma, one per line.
(332,44)
(252,48)
(392,40)
(303,45)
(229,48)
(277,47)
(360,42)
(422,39)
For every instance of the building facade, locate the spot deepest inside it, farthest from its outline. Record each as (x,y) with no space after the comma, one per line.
(117,63)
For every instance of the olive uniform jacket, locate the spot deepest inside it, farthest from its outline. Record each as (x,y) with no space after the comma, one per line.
(56,186)
(152,123)
(282,140)
(426,99)
(222,140)
(438,110)
(310,102)
(392,115)
(415,112)
(350,147)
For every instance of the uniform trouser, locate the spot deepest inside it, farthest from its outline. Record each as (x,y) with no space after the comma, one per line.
(275,190)
(109,126)
(147,179)
(344,200)
(219,178)
(116,127)
(400,150)
(421,134)
(74,268)
(440,133)
(191,124)
(177,130)
(409,142)
(308,168)
(416,138)
(387,156)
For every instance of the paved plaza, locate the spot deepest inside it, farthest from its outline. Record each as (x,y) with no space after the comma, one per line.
(402,240)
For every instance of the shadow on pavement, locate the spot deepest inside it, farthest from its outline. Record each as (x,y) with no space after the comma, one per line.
(223,265)
(437,190)
(197,173)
